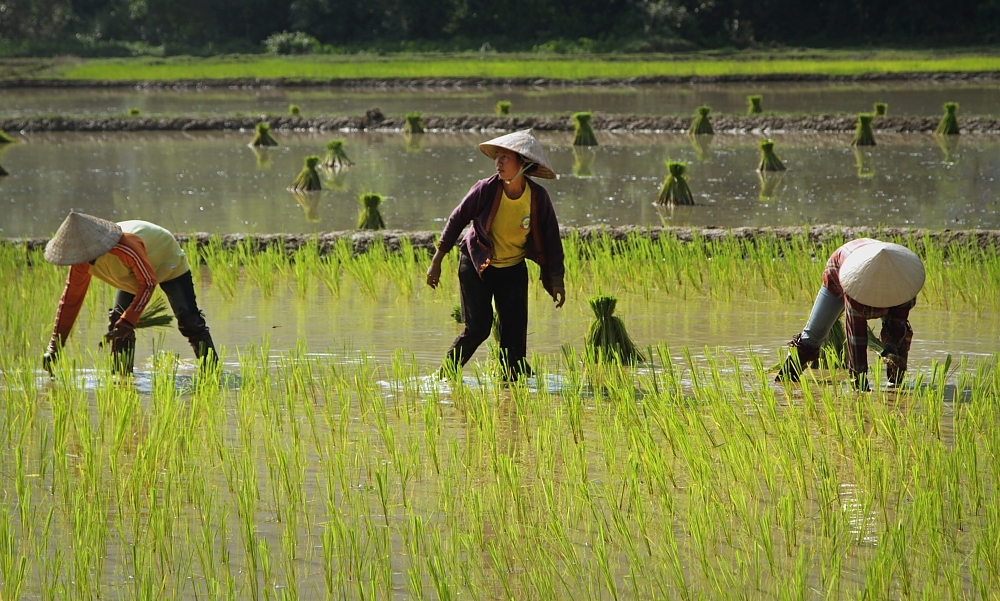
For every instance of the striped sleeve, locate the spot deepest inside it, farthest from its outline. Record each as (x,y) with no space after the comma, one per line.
(132,252)
(72,300)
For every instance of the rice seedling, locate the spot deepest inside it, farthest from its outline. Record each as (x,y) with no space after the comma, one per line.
(294,110)
(881,109)
(675,190)
(134,112)
(769,161)
(583,161)
(503,107)
(701,126)
(308,179)
(414,124)
(5,138)
(336,156)
(263,136)
(583,132)
(456,314)
(949,122)
(863,134)
(156,315)
(607,338)
(753,105)
(370,217)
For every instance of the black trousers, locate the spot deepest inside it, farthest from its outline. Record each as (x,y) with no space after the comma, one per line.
(508,288)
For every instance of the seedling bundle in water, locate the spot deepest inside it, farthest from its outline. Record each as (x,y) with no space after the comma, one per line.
(263,136)
(503,107)
(5,138)
(675,190)
(583,132)
(769,161)
(308,179)
(414,124)
(949,123)
(607,338)
(294,110)
(753,105)
(155,315)
(336,157)
(3,171)
(370,217)
(134,112)
(881,109)
(863,135)
(701,125)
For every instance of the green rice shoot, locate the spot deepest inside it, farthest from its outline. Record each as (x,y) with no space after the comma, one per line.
(949,122)
(753,105)
(370,217)
(336,156)
(414,124)
(5,138)
(294,110)
(607,338)
(769,160)
(262,137)
(156,315)
(675,190)
(583,132)
(702,126)
(863,134)
(308,179)
(881,109)
(503,107)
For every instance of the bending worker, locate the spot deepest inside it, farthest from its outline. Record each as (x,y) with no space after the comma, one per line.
(868,279)
(512,220)
(132,256)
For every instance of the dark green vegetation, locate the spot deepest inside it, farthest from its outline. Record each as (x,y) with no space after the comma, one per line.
(263,136)
(370,217)
(675,190)
(5,138)
(294,110)
(503,107)
(949,122)
(769,160)
(134,112)
(753,105)
(308,178)
(881,109)
(583,133)
(3,171)
(607,339)
(336,156)
(701,124)
(414,124)
(156,315)
(863,135)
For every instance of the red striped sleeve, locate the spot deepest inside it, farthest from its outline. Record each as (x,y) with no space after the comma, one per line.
(71,302)
(131,251)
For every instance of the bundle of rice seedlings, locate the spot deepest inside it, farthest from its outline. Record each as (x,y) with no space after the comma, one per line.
(155,315)
(370,217)
(373,116)
(701,125)
(881,109)
(503,107)
(863,135)
(583,161)
(607,338)
(456,314)
(702,147)
(675,190)
(583,133)
(263,157)
(134,112)
(865,163)
(949,123)
(5,138)
(309,204)
(294,110)
(948,145)
(769,161)
(770,185)
(414,124)
(308,179)
(263,135)
(753,105)
(336,157)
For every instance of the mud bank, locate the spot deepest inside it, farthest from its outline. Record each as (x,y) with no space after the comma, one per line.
(426,240)
(605,122)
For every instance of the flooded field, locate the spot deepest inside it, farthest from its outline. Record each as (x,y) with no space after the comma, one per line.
(211,181)
(925,98)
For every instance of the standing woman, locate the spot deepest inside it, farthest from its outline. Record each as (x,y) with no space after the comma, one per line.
(512,220)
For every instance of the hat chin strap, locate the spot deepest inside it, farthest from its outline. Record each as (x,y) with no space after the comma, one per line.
(520,173)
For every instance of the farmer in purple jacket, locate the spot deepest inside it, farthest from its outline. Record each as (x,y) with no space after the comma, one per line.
(512,220)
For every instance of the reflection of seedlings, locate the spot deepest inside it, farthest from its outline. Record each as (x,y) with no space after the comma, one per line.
(865,162)
(881,109)
(949,145)
(675,190)
(263,157)
(949,122)
(414,124)
(769,160)
(503,107)
(701,124)
(308,179)
(770,185)
(370,217)
(336,156)
(702,147)
(753,105)
(263,136)
(607,339)
(414,142)
(3,172)
(294,110)
(5,138)
(310,204)
(335,179)
(583,161)
(583,132)
(863,134)
(134,112)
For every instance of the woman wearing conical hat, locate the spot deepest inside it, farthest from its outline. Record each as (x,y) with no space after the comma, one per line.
(867,279)
(134,257)
(512,220)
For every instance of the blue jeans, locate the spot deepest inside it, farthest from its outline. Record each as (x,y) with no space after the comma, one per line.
(825,312)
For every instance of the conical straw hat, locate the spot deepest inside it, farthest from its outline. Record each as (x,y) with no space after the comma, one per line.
(882,275)
(82,238)
(525,144)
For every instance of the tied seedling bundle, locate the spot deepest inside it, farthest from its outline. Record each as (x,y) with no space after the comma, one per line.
(336,156)
(863,134)
(263,136)
(769,160)
(701,125)
(607,338)
(308,179)
(155,315)
(414,124)
(881,109)
(370,217)
(5,138)
(675,190)
(753,105)
(134,112)
(294,110)
(503,107)
(949,122)
(583,133)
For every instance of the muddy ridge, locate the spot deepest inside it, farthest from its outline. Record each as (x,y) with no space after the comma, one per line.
(426,240)
(600,122)
(410,82)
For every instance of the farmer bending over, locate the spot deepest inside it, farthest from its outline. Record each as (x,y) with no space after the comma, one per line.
(868,279)
(512,220)
(132,256)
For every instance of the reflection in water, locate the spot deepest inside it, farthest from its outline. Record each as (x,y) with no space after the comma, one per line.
(771,188)
(335,179)
(949,146)
(263,155)
(414,142)
(864,160)
(583,161)
(309,201)
(702,145)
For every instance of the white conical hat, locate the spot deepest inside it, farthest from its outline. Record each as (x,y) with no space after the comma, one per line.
(525,144)
(882,275)
(82,238)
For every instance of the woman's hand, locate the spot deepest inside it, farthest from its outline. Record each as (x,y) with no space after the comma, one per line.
(559,295)
(434,273)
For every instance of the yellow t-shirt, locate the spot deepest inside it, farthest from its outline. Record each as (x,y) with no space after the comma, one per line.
(165,256)
(510,229)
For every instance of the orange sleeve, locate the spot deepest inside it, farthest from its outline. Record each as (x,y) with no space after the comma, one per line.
(72,300)
(131,251)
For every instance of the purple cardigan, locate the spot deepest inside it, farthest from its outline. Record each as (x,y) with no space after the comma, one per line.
(480,206)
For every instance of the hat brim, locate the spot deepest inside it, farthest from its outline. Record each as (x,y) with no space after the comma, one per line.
(81,239)
(539,170)
(882,275)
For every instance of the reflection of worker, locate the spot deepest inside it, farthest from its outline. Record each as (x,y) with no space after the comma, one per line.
(868,279)
(512,220)
(132,256)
